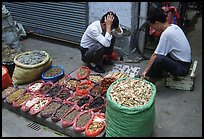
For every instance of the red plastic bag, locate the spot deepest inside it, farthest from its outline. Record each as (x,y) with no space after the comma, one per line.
(22,100)
(40,105)
(66,106)
(45,88)
(9,90)
(63,94)
(30,102)
(64,79)
(50,109)
(84,101)
(6,79)
(74,98)
(95,78)
(80,118)
(94,105)
(91,129)
(35,86)
(82,72)
(84,87)
(68,119)
(72,83)
(15,95)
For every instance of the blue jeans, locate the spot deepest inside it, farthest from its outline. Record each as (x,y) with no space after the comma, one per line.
(166,63)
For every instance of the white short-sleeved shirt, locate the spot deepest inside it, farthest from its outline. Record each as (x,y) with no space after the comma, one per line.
(93,35)
(174,42)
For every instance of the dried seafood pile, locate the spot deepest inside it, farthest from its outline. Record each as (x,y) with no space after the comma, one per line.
(131,92)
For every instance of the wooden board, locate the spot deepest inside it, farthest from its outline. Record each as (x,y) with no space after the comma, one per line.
(183,83)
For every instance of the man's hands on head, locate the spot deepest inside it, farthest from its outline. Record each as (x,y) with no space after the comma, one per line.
(108,21)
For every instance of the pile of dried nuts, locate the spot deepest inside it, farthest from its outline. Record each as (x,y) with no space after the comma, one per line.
(131,92)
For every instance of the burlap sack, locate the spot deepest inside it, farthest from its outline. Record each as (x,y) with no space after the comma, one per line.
(28,73)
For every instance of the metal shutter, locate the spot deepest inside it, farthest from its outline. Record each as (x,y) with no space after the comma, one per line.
(64,20)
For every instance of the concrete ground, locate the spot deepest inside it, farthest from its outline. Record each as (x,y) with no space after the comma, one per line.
(178,113)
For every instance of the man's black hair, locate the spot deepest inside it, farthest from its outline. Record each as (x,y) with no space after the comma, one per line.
(115,23)
(157,16)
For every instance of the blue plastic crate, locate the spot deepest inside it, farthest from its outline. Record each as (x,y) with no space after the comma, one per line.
(53,78)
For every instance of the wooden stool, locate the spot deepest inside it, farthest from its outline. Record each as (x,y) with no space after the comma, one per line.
(183,82)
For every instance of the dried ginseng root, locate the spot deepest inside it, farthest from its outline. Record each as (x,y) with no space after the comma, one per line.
(131,92)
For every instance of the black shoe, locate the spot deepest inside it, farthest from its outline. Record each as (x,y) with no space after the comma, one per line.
(107,62)
(91,67)
(99,69)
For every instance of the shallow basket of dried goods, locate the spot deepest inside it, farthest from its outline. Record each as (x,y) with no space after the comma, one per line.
(95,78)
(97,103)
(84,87)
(63,94)
(82,119)
(15,95)
(53,73)
(96,125)
(31,101)
(82,72)
(35,86)
(68,119)
(50,109)
(22,100)
(84,101)
(96,90)
(10,89)
(54,90)
(45,88)
(59,113)
(40,105)
(64,79)
(72,83)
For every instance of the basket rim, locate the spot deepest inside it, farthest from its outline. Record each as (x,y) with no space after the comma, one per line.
(58,75)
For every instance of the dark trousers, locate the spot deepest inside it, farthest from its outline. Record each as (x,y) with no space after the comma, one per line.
(95,54)
(166,63)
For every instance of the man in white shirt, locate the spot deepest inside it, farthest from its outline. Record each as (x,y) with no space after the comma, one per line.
(173,52)
(98,40)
